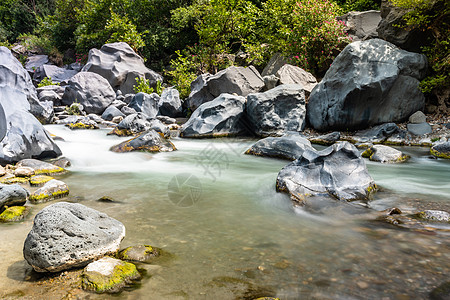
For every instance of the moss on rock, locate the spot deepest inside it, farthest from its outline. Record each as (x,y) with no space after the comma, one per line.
(51,190)
(14,214)
(40,180)
(140,253)
(13,180)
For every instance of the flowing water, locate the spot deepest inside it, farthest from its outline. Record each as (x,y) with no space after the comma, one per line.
(233,237)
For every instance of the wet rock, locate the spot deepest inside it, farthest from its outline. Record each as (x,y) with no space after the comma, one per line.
(23,172)
(40,180)
(288,147)
(376,134)
(51,190)
(361,25)
(139,253)
(108,275)
(55,73)
(53,93)
(289,74)
(170,103)
(277,111)
(137,123)
(326,139)
(441,150)
(90,90)
(83,123)
(442,292)
(434,215)
(419,129)
(14,214)
(41,167)
(224,116)
(119,104)
(12,195)
(67,235)
(385,154)
(233,80)
(417,118)
(61,162)
(167,120)
(338,171)
(148,141)
(145,103)
(117,119)
(369,83)
(111,112)
(120,65)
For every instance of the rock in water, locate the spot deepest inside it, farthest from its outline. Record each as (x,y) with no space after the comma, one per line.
(369,83)
(233,80)
(148,141)
(277,111)
(52,189)
(40,167)
(12,195)
(120,65)
(221,117)
(441,150)
(24,136)
(108,275)
(385,154)
(67,235)
(139,122)
(338,171)
(90,90)
(288,147)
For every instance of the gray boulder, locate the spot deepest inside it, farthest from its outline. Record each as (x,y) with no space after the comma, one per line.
(326,139)
(419,129)
(127,110)
(147,141)
(111,112)
(270,81)
(221,117)
(55,73)
(67,235)
(274,64)
(170,103)
(120,65)
(361,25)
(289,74)
(34,62)
(90,90)
(385,154)
(40,167)
(145,103)
(233,80)
(377,134)
(369,83)
(15,77)
(441,150)
(23,136)
(12,195)
(52,189)
(434,215)
(137,123)
(53,93)
(417,118)
(288,147)
(338,171)
(277,111)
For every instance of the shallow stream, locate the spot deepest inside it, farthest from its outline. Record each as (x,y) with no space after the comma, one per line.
(233,237)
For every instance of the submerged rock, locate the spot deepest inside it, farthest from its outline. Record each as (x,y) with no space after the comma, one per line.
(224,116)
(385,154)
(41,167)
(52,189)
(441,150)
(12,195)
(108,275)
(14,214)
(67,235)
(338,171)
(40,180)
(288,147)
(277,111)
(434,215)
(139,253)
(148,141)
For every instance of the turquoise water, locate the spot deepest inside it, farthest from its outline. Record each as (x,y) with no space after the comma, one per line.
(234,237)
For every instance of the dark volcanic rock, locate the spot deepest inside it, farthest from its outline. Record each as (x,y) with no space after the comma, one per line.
(145,103)
(377,134)
(361,25)
(120,65)
(55,73)
(170,103)
(385,154)
(338,171)
(288,147)
(111,112)
(369,83)
(419,129)
(221,117)
(67,235)
(277,111)
(289,74)
(239,80)
(148,141)
(326,139)
(138,122)
(90,90)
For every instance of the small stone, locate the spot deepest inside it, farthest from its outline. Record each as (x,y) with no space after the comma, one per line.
(14,214)
(434,215)
(117,119)
(12,195)
(140,253)
(362,285)
(417,118)
(40,180)
(51,190)
(419,129)
(24,172)
(108,275)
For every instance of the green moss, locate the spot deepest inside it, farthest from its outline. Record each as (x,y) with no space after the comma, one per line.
(402,158)
(367,153)
(43,197)
(122,275)
(81,125)
(13,214)
(141,253)
(439,154)
(372,189)
(40,180)
(120,132)
(12,180)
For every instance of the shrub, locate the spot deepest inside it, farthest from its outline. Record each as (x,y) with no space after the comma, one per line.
(47,81)
(142,86)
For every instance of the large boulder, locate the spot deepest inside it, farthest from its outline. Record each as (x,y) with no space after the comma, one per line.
(148,141)
(290,147)
(12,195)
(120,65)
(170,103)
(239,80)
(277,111)
(221,117)
(55,73)
(361,25)
(22,135)
(14,76)
(369,83)
(111,112)
(338,171)
(145,103)
(67,235)
(90,90)
(289,74)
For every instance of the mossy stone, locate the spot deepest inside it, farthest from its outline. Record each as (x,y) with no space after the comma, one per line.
(13,180)
(14,214)
(140,253)
(81,125)
(39,180)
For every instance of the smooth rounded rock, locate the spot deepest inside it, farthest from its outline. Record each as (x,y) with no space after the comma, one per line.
(52,189)
(441,150)
(288,147)
(147,141)
(12,195)
(385,154)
